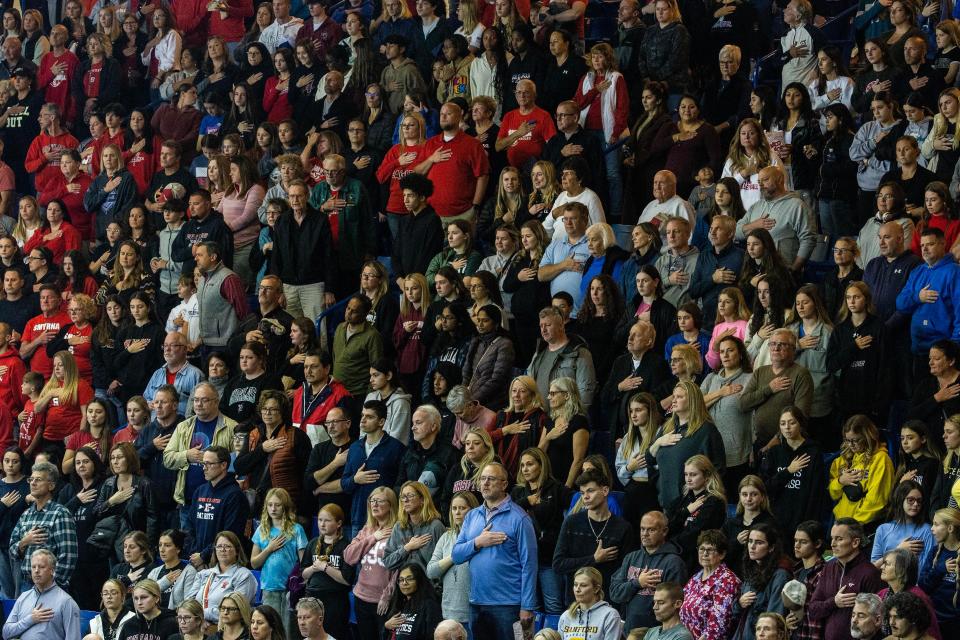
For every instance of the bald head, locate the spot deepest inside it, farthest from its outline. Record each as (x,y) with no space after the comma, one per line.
(450,630)
(772,181)
(890,240)
(664,185)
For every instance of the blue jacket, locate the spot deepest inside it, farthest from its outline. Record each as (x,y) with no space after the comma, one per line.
(936,321)
(496,571)
(886,280)
(214,509)
(703,288)
(385,458)
(631,267)
(151,461)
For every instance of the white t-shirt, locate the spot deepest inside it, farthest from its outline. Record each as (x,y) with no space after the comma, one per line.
(588,198)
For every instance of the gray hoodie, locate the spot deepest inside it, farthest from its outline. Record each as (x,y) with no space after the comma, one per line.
(398,414)
(624,588)
(599,622)
(792,234)
(863,151)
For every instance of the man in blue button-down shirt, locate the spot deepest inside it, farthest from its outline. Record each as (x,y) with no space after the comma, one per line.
(498,540)
(46,611)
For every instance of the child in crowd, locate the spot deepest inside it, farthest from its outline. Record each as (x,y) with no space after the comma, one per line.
(31,422)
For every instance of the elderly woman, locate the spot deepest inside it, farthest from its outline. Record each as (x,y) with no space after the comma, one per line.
(727,96)
(709,596)
(606,256)
(520,424)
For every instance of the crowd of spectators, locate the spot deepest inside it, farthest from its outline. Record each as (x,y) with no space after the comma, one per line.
(222,416)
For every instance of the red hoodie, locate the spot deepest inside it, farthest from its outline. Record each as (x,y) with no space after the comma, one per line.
(57,87)
(11,377)
(46,171)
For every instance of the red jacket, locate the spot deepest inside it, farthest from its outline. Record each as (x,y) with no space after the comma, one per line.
(58,190)
(11,377)
(68,240)
(190,16)
(310,418)
(46,171)
(105,138)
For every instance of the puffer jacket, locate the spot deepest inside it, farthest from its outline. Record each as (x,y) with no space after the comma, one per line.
(488,368)
(575,361)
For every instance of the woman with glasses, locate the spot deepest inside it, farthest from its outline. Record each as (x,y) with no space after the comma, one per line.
(276,453)
(234,622)
(908,527)
(861,478)
(129,494)
(174,575)
(414,608)
(366,553)
(326,575)
(375,284)
(76,336)
(108,624)
(80,497)
(189,621)
(151,621)
(707,610)
(227,574)
(418,528)
(565,442)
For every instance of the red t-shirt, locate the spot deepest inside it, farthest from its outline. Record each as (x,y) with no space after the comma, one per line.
(127,434)
(81,352)
(455,180)
(390,169)
(84,439)
(79,216)
(530,145)
(64,420)
(30,426)
(40,361)
(92,80)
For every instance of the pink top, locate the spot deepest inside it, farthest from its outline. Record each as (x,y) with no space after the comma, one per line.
(373,581)
(240,215)
(739,330)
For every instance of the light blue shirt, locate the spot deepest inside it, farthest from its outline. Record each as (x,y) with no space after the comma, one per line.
(276,568)
(890,534)
(64,624)
(569,281)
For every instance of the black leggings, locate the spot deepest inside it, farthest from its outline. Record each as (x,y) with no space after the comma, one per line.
(369,624)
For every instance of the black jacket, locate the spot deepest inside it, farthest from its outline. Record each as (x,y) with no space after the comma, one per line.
(656,377)
(110,83)
(160,628)
(528,297)
(140,511)
(419,238)
(578,540)
(547,514)
(561,82)
(805,133)
(833,288)
(302,253)
(663,316)
(838,173)
(799,496)
(429,466)
(686,526)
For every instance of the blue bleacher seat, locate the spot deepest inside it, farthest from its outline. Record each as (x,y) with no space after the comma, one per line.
(85,618)
(8,607)
(257,599)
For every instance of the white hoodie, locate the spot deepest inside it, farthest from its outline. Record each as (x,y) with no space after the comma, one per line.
(599,622)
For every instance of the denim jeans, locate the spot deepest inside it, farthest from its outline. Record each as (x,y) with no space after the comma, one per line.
(494,621)
(9,574)
(551,590)
(611,160)
(837,219)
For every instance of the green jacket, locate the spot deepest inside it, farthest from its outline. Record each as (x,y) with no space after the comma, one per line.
(447,256)
(175,455)
(357,234)
(352,357)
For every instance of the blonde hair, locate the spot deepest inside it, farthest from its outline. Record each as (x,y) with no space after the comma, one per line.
(552,188)
(487,458)
(864,290)
(674,10)
(542,459)
(757,483)
(421,123)
(734,293)
(242,604)
(736,154)
(406,307)
(714,482)
(123,591)
(940,124)
(114,33)
(692,360)
(289,513)
(471,15)
(574,405)
(596,578)
(428,512)
(607,236)
(951,518)
(391,499)
(698,409)
(954,422)
(536,402)
(863,426)
(505,203)
(66,394)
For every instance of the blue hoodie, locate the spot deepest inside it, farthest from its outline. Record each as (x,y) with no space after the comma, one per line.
(216,508)
(938,320)
(497,572)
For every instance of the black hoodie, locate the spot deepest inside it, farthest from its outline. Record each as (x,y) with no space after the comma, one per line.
(160,628)
(194,231)
(799,496)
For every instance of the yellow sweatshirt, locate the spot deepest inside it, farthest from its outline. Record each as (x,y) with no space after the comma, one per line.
(877,484)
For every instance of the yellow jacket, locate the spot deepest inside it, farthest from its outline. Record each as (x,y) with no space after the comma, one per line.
(877,484)
(175,455)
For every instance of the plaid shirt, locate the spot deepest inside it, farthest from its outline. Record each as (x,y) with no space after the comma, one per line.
(61,539)
(809,628)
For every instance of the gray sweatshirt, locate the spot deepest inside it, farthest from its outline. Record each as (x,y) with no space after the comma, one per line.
(599,622)
(735,426)
(862,151)
(396,556)
(455,603)
(792,234)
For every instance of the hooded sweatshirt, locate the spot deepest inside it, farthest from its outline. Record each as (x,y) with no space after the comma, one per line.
(625,587)
(159,628)
(795,497)
(792,233)
(936,321)
(599,622)
(216,508)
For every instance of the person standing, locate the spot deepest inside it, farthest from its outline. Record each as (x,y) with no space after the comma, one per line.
(46,610)
(499,542)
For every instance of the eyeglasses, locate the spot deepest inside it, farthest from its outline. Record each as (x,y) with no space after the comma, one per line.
(270,410)
(185,618)
(410,580)
(408,498)
(207,465)
(489,479)
(707,551)
(913,500)
(199,400)
(224,609)
(330,423)
(842,250)
(377,501)
(779,345)
(35,480)
(225,547)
